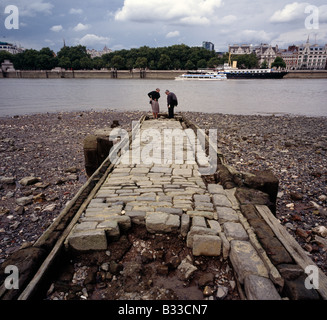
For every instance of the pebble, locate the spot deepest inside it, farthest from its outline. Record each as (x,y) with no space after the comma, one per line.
(222,292)
(207,291)
(321,231)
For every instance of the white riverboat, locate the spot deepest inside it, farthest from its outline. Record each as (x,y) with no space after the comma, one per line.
(198,75)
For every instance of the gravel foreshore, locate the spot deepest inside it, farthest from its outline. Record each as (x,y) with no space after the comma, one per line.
(49,148)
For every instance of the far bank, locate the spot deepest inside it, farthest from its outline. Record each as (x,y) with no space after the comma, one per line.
(138,74)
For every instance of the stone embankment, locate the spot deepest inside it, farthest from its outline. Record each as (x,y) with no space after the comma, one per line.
(135,74)
(231,219)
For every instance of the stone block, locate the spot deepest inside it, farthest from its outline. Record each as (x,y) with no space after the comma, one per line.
(176,211)
(201,198)
(199,222)
(225,245)
(88,240)
(245,260)
(260,288)
(186,173)
(111,228)
(235,231)
(162,222)
(221,200)
(137,217)
(91,225)
(205,214)
(124,222)
(185,224)
(214,225)
(198,231)
(216,189)
(227,215)
(206,245)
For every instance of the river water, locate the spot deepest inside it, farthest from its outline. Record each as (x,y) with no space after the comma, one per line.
(246,97)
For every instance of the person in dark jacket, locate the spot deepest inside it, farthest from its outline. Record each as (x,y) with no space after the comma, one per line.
(171,103)
(154,96)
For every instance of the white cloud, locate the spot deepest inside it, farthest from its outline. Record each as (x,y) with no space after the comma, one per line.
(256,36)
(81,27)
(75,11)
(290,12)
(33,8)
(92,39)
(299,36)
(323,14)
(186,12)
(57,28)
(172,34)
(227,20)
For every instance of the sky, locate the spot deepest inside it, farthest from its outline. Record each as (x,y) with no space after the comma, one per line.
(126,24)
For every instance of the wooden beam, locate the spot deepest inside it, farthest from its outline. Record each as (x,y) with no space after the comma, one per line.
(292,246)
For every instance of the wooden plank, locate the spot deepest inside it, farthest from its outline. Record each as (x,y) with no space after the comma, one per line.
(292,246)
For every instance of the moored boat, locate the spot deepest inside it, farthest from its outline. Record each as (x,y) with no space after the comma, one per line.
(235,73)
(198,75)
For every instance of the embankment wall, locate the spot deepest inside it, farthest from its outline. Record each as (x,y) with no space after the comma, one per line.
(126,74)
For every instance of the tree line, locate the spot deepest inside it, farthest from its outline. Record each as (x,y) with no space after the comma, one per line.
(176,57)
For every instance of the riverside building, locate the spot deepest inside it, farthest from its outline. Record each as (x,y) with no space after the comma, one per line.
(11,48)
(312,57)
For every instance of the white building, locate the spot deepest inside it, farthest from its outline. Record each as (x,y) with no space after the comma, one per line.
(267,53)
(312,57)
(240,49)
(11,48)
(94,53)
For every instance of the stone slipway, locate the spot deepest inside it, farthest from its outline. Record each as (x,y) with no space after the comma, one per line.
(167,194)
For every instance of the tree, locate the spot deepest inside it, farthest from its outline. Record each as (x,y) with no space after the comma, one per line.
(141,62)
(202,64)
(98,63)
(264,64)
(5,55)
(64,62)
(130,63)
(74,54)
(164,62)
(278,63)
(86,63)
(247,61)
(117,62)
(189,65)
(213,62)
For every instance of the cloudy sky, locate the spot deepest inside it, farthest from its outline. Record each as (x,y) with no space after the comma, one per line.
(125,24)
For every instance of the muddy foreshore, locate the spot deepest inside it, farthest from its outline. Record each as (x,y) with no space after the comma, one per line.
(49,147)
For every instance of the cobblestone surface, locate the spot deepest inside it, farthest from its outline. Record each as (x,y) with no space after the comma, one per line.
(169,196)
